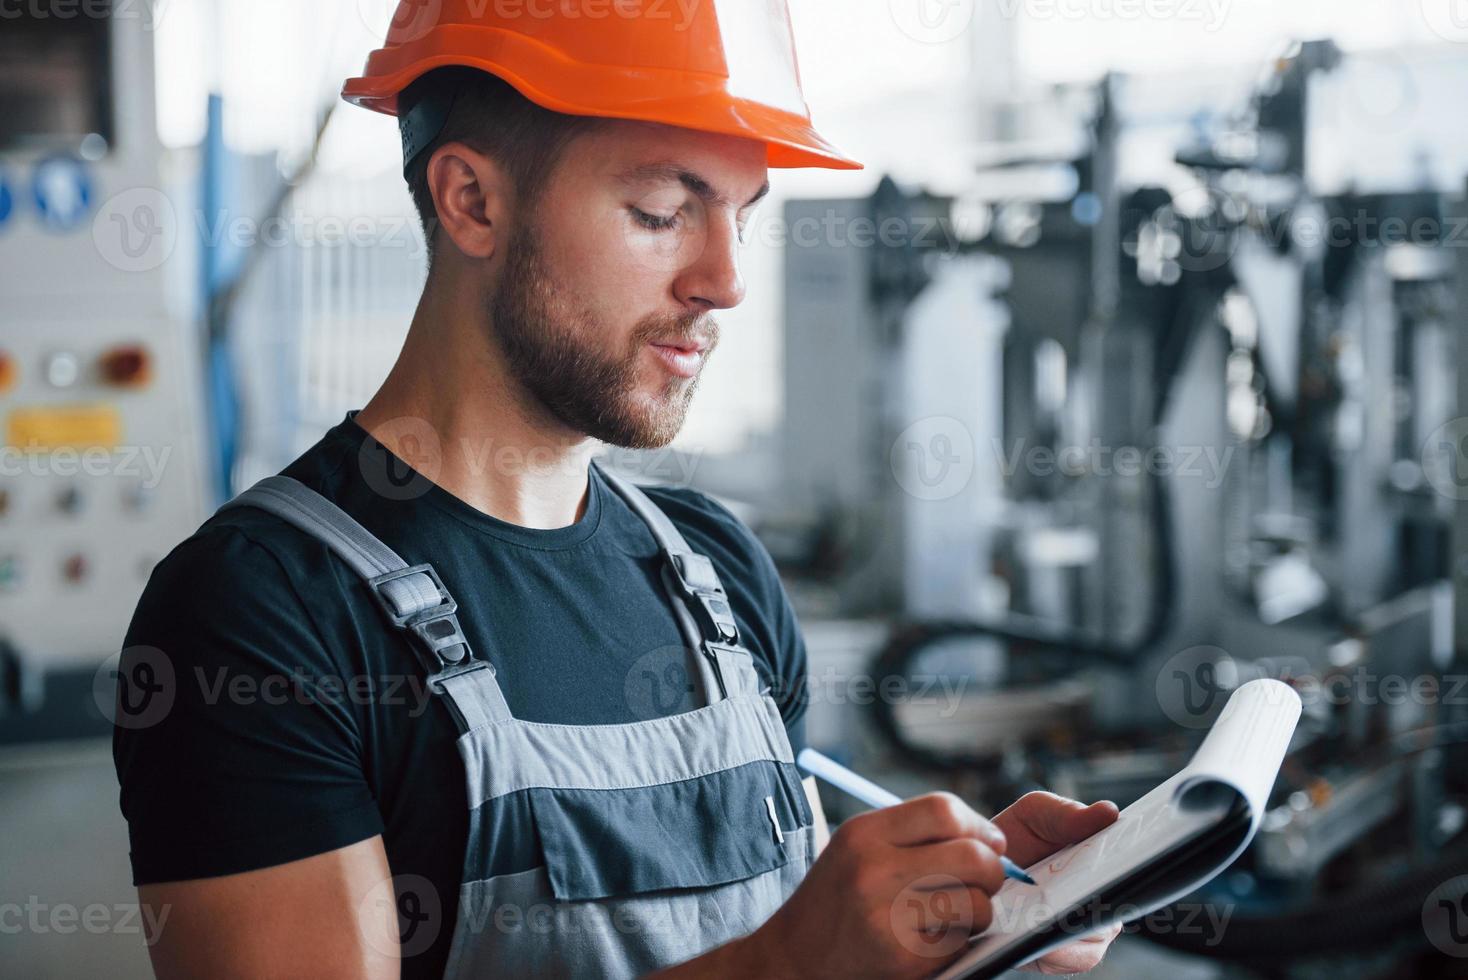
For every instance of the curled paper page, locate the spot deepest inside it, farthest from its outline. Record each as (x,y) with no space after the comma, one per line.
(1164,846)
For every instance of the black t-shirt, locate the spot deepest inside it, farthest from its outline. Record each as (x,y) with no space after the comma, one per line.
(288,718)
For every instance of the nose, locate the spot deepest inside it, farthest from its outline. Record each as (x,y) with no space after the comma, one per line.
(712,280)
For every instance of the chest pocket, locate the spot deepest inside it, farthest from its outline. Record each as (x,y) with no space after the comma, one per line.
(695,833)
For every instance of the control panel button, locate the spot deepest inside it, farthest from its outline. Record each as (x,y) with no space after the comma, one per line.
(137,498)
(61,369)
(127,366)
(75,568)
(70,500)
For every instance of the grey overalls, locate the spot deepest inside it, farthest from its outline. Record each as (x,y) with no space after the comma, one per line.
(658,839)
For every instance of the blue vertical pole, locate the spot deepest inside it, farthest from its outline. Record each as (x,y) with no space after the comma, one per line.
(218,266)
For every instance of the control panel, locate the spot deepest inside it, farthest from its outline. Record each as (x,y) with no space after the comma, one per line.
(101,456)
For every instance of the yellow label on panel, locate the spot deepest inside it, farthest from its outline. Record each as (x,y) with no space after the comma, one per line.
(48,428)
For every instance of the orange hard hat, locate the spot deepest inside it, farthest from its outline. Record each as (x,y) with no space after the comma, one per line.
(717,66)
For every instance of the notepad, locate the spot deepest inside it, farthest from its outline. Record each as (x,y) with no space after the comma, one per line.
(1167,844)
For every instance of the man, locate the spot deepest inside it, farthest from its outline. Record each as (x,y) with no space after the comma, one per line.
(411,729)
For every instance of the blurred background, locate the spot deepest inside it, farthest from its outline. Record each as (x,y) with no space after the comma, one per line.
(1127,371)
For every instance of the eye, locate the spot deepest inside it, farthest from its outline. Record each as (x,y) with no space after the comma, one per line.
(655,222)
(747,224)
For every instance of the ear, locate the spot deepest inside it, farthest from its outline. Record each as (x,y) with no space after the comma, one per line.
(471,194)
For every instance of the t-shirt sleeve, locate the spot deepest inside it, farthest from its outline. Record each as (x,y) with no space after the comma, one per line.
(236,742)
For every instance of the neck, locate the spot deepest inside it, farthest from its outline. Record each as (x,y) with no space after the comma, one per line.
(498,449)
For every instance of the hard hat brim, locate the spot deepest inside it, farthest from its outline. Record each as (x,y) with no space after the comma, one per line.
(704,103)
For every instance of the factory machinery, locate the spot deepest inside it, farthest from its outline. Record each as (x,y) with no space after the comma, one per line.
(1107,447)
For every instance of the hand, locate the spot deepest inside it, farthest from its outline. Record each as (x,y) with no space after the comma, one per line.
(1036,826)
(896,893)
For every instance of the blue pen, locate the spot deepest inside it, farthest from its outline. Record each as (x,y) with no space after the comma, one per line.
(871,794)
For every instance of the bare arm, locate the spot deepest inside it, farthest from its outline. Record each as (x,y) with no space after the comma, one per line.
(328,916)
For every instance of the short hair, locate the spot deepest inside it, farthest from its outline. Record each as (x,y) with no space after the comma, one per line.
(491,116)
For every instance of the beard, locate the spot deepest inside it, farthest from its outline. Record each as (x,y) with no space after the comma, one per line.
(552,350)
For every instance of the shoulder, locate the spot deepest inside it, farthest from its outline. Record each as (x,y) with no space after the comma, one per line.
(245,589)
(235,552)
(231,551)
(712,526)
(244,556)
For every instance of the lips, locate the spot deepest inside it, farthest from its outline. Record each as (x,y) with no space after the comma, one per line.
(683,346)
(679,358)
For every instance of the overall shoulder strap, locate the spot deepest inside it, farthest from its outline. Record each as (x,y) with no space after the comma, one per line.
(699,601)
(413,598)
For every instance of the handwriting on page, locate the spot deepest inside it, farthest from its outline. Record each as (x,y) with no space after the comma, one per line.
(1135,832)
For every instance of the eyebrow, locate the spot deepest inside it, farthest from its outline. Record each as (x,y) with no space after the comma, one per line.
(690,180)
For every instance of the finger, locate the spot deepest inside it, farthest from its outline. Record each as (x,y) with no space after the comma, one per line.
(1076,958)
(1058,820)
(932,818)
(970,861)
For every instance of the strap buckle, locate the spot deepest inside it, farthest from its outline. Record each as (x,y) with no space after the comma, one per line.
(710,603)
(434,626)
